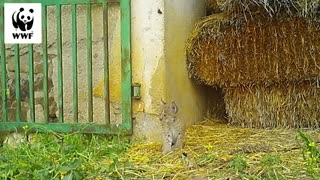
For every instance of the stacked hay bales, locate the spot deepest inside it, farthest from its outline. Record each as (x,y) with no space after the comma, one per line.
(288,105)
(260,50)
(265,54)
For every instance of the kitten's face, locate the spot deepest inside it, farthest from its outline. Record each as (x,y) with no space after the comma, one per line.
(168,113)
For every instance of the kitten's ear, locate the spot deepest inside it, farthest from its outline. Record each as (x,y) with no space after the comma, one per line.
(174,107)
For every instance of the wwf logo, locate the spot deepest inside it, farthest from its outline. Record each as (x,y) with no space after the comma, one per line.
(23,19)
(22,23)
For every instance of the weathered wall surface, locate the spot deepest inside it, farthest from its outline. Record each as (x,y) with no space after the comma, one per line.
(180,16)
(148,65)
(97,59)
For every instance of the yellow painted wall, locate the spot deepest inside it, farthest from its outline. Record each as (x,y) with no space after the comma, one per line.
(147,54)
(148,66)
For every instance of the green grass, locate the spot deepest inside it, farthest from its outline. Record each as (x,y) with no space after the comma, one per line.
(78,156)
(53,156)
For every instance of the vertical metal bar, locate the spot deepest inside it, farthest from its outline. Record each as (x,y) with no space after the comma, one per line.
(60,75)
(89,63)
(74,62)
(31,85)
(106,63)
(45,64)
(3,68)
(17,82)
(126,64)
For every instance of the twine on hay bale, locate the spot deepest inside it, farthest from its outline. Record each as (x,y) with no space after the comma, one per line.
(262,50)
(292,105)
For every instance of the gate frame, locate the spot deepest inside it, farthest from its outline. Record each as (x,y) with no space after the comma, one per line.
(61,127)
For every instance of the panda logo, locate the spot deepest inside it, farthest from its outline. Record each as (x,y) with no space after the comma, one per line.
(23,19)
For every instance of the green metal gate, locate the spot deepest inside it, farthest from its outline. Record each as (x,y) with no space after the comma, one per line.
(61,126)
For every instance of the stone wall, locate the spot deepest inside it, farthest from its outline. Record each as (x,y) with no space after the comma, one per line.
(24,84)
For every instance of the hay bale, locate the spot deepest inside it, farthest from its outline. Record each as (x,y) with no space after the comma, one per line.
(262,50)
(303,8)
(292,105)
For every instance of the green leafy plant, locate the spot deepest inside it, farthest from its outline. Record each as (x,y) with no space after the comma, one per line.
(311,155)
(239,163)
